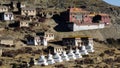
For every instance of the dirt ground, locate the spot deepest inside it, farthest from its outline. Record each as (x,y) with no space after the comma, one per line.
(99,47)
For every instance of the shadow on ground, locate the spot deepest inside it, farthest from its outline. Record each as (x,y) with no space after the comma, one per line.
(61,20)
(57,43)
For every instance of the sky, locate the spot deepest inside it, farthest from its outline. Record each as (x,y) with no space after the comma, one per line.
(113,2)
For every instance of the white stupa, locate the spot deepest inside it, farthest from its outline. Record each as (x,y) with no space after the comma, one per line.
(71,54)
(77,53)
(42,60)
(89,48)
(57,57)
(83,50)
(65,56)
(50,59)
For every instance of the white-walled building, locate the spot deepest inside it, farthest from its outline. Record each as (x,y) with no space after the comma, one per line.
(7,41)
(76,41)
(56,49)
(37,40)
(7,16)
(80,19)
(48,35)
(76,27)
(24,23)
(27,11)
(3,9)
(40,41)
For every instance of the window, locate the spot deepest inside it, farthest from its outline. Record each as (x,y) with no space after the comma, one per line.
(10,15)
(26,10)
(52,35)
(6,15)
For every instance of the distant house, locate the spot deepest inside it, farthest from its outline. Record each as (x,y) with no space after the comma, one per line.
(77,41)
(24,23)
(80,19)
(48,35)
(3,9)
(13,5)
(16,5)
(56,49)
(37,40)
(21,5)
(7,16)
(27,11)
(7,41)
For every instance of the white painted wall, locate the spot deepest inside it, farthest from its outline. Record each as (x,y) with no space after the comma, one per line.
(87,27)
(36,42)
(44,42)
(8,17)
(7,42)
(4,9)
(40,42)
(22,6)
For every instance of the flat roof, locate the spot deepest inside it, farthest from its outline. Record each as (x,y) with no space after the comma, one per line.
(78,10)
(6,38)
(74,37)
(3,7)
(28,8)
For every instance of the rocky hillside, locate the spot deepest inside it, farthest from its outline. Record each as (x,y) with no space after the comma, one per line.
(90,5)
(109,33)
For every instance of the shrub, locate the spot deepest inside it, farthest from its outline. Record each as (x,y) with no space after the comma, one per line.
(109,61)
(109,52)
(117,59)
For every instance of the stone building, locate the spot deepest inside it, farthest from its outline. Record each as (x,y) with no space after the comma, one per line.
(3,9)
(80,19)
(7,41)
(24,23)
(77,41)
(48,35)
(7,16)
(27,11)
(37,40)
(56,49)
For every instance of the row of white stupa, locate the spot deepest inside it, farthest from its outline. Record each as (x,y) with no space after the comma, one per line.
(64,57)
